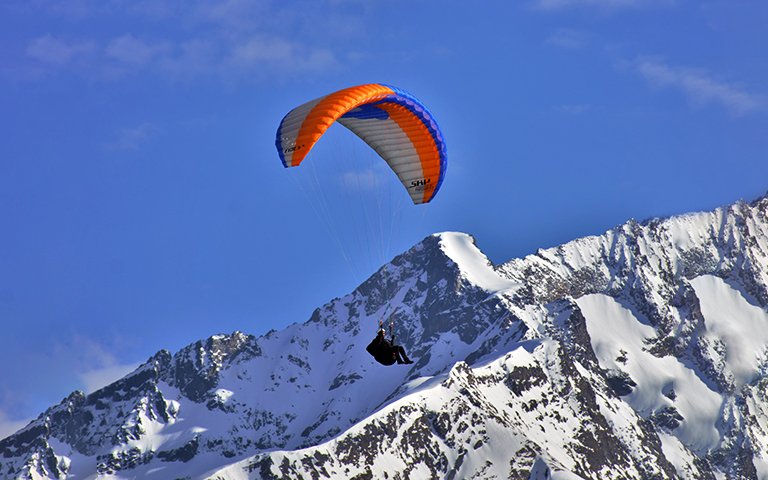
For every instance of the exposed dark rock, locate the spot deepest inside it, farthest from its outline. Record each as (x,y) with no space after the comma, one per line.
(667,418)
(515,364)
(184,453)
(620,382)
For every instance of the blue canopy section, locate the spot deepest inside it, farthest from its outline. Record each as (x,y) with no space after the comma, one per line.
(367,112)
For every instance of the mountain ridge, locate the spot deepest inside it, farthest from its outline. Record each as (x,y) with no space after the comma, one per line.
(462,318)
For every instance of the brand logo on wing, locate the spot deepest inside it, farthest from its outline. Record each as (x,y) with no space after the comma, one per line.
(293,148)
(422,185)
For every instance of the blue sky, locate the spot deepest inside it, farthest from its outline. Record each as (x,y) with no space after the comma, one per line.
(143,205)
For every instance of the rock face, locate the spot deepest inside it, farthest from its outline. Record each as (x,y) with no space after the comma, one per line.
(638,354)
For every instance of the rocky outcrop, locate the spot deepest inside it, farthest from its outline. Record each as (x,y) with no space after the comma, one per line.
(601,358)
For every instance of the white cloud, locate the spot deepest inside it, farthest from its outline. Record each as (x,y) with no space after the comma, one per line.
(9,426)
(193,57)
(72,361)
(83,350)
(361,180)
(132,138)
(89,9)
(95,359)
(568,39)
(54,51)
(212,55)
(232,14)
(700,87)
(134,51)
(226,39)
(93,380)
(280,53)
(574,108)
(552,5)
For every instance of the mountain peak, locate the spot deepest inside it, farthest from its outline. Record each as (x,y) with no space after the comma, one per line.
(619,355)
(474,265)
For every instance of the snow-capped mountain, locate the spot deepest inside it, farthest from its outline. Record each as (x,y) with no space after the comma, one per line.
(640,353)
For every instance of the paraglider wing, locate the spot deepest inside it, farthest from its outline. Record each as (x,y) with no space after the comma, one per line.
(393,122)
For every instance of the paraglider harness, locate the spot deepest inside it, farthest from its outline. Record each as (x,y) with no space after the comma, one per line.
(391,328)
(385,351)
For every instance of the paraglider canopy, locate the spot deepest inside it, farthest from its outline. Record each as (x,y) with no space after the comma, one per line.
(393,122)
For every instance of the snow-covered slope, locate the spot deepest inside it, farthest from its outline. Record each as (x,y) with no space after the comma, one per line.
(640,353)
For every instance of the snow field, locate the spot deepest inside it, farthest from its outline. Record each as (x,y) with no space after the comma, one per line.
(616,333)
(742,327)
(460,248)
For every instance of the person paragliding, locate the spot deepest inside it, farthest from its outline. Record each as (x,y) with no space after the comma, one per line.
(385,351)
(398,127)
